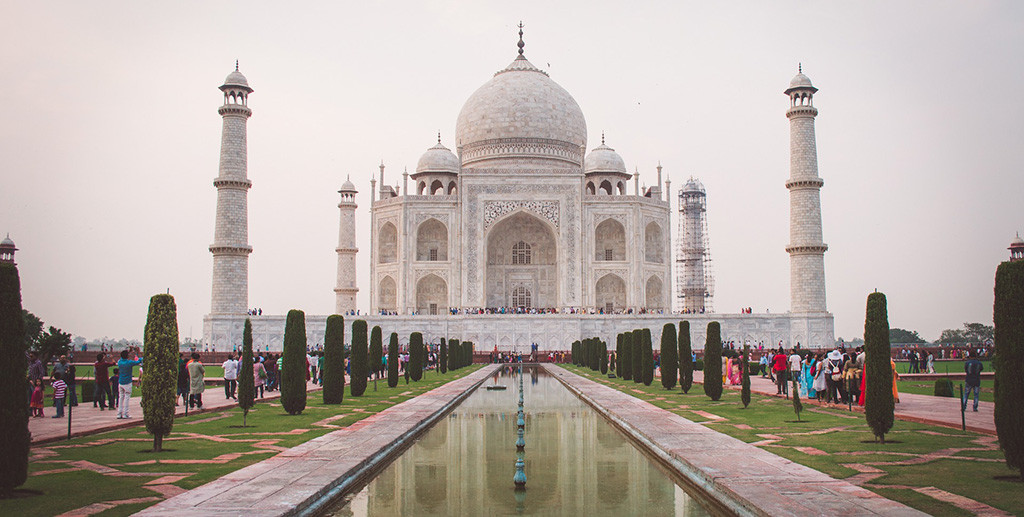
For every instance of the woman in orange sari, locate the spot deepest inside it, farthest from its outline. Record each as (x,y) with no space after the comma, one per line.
(895,377)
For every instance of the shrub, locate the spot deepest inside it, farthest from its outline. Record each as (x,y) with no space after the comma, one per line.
(13,365)
(648,356)
(698,364)
(357,364)
(637,361)
(713,361)
(626,371)
(293,363)
(669,356)
(686,365)
(1008,316)
(334,360)
(745,387)
(160,376)
(415,365)
(393,360)
(376,353)
(879,406)
(944,388)
(246,381)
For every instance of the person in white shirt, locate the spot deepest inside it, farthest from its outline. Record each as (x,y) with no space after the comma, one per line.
(794,365)
(230,377)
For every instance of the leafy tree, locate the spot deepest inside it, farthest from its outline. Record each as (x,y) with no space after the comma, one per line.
(1009,362)
(637,361)
(14,409)
(797,405)
(648,357)
(669,356)
(293,363)
(334,360)
(52,343)
(978,332)
(897,335)
(685,357)
(713,361)
(415,366)
(160,376)
(33,329)
(879,406)
(626,371)
(246,382)
(358,360)
(393,360)
(745,387)
(376,353)
(952,336)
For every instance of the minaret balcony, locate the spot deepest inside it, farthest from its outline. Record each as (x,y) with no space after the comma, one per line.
(232,183)
(811,249)
(802,111)
(811,183)
(234,109)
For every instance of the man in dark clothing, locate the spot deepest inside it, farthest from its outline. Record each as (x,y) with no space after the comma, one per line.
(101,391)
(973,368)
(36,372)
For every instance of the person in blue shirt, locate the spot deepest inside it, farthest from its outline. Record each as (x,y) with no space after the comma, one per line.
(125,367)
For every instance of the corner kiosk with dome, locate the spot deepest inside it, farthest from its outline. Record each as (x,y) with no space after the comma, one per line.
(518,237)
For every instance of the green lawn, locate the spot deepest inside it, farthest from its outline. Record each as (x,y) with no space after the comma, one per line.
(950,366)
(215,438)
(974,467)
(928,388)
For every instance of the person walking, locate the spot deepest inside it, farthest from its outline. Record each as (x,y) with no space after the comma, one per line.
(182,383)
(972,382)
(101,389)
(197,381)
(259,376)
(125,367)
(230,377)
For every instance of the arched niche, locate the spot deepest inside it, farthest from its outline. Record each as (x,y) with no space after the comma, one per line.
(387,294)
(522,251)
(387,244)
(653,294)
(432,241)
(606,187)
(610,292)
(610,241)
(436,186)
(431,295)
(654,244)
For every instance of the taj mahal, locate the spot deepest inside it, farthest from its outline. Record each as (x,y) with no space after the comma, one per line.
(514,234)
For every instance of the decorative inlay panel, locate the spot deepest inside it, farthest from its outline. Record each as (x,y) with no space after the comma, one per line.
(493,210)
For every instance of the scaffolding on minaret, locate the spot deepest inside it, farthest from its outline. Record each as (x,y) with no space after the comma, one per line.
(695,281)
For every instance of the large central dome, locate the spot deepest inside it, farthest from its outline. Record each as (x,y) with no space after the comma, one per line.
(521,117)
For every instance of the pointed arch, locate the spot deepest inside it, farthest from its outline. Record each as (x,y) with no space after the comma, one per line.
(653,294)
(432,241)
(590,188)
(436,186)
(606,187)
(387,244)
(610,241)
(451,188)
(654,244)
(431,295)
(387,294)
(610,293)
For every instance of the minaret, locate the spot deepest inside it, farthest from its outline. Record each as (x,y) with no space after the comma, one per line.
(230,246)
(806,248)
(693,257)
(346,289)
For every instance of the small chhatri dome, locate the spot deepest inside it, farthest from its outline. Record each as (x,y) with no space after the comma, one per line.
(604,159)
(1016,242)
(236,79)
(348,186)
(800,81)
(8,243)
(693,185)
(438,159)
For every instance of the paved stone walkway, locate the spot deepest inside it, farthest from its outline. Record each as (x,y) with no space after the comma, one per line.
(942,411)
(87,420)
(750,480)
(297,478)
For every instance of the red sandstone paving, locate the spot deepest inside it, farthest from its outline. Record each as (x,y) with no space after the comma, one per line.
(761,480)
(290,479)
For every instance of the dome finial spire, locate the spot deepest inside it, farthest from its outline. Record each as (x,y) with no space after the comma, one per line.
(521,44)
(236,65)
(439,136)
(799,68)
(602,137)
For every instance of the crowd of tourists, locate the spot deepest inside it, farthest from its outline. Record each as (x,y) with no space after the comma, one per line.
(833,377)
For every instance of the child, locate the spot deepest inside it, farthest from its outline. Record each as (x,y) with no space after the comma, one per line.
(37,399)
(59,392)
(113,388)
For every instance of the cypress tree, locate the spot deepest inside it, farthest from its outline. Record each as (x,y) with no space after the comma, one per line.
(637,361)
(14,410)
(293,363)
(685,357)
(334,360)
(595,357)
(453,355)
(575,353)
(669,356)
(415,356)
(160,376)
(878,400)
(745,390)
(393,360)
(648,357)
(376,353)
(467,351)
(1008,317)
(246,382)
(442,360)
(618,355)
(604,357)
(627,356)
(357,359)
(713,361)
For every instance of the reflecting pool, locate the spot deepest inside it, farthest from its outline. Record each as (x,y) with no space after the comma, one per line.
(576,462)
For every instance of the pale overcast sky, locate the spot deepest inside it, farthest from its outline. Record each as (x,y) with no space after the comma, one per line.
(109,138)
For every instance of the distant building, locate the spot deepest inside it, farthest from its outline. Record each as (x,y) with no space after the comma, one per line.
(1016,249)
